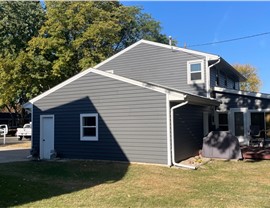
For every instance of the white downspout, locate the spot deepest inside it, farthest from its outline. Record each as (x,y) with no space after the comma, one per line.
(214,63)
(172,134)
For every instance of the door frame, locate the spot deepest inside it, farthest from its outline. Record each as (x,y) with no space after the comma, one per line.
(246,119)
(41,143)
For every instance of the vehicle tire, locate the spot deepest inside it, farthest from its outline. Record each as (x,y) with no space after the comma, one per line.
(20,138)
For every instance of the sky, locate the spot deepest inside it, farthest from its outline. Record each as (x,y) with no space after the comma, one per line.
(194,23)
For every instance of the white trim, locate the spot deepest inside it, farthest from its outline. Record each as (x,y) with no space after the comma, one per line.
(41,144)
(118,54)
(172,137)
(239,92)
(259,110)
(57,87)
(179,96)
(169,148)
(217,122)
(207,78)
(81,74)
(189,63)
(208,55)
(88,138)
(242,139)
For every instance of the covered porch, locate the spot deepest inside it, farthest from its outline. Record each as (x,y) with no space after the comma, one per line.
(245,114)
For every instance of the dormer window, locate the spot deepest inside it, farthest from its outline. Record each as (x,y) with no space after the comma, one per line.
(195,71)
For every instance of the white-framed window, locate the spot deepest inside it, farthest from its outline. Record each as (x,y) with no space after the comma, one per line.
(89,127)
(195,71)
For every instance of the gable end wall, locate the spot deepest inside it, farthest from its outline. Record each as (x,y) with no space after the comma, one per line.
(132,120)
(155,64)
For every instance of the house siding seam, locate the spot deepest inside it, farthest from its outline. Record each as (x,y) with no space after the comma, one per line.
(132,120)
(159,65)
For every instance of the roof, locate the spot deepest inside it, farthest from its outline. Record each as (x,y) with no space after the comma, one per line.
(174,95)
(234,71)
(244,93)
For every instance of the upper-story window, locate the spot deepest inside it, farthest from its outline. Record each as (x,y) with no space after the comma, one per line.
(195,71)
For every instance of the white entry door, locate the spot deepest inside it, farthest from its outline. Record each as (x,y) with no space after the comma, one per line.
(46,136)
(238,123)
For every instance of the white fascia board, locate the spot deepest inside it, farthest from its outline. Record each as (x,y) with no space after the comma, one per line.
(70,80)
(118,54)
(178,96)
(239,92)
(208,55)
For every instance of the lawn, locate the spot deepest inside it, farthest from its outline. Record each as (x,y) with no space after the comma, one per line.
(106,184)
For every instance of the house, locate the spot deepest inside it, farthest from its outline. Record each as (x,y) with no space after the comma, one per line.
(150,103)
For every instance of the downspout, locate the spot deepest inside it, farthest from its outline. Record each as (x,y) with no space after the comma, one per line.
(214,63)
(172,136)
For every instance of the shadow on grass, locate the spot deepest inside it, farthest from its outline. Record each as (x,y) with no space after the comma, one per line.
(26,182)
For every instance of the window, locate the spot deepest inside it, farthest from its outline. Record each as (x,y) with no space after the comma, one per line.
(195,72)
(89,127)
(223,121)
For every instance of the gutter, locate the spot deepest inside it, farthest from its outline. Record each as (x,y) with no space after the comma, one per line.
(172,136)
(214,63)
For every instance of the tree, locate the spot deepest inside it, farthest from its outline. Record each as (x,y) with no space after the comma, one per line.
(78,35)
(41,47)
(19,22)
(253,82)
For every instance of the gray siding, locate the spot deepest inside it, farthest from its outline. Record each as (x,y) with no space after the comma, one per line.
(239,101)
(156,64)
(132,120)
(188,130)
(232,82)
(213,74)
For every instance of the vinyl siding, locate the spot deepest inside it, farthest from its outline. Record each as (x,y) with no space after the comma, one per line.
(132,120)
(231,81)
(240,101)
(155,64)
(188,130)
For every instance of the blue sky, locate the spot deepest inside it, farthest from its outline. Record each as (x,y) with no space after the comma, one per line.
(203,22)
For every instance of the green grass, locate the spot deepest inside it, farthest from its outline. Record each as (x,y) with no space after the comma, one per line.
(106,184)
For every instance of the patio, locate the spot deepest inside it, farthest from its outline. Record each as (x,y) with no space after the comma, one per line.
(256,153)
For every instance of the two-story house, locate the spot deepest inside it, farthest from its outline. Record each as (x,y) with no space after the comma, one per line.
(150,103)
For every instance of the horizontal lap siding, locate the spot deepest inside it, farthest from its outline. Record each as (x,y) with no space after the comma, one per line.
(238,101)
(132,120)
(188,130)
(156,64)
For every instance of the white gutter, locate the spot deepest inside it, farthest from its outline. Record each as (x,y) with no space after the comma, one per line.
(214,63)
(172,134)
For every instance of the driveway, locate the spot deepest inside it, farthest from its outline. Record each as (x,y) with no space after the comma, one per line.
(14,150)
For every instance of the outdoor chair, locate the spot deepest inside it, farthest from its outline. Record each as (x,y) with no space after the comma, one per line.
(256,136)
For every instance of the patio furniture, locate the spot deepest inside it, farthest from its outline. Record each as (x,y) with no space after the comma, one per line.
(257,136)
